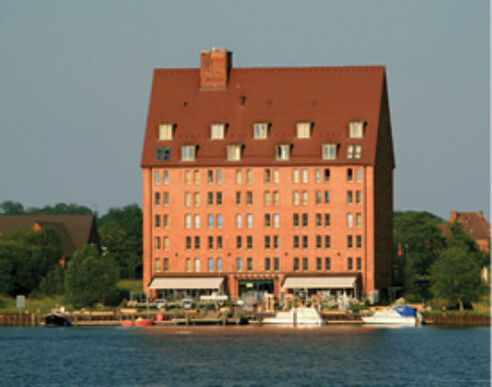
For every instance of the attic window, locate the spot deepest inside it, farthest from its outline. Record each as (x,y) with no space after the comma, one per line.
(282,152)
(354,152)
(163,153)
(260,130)
(303,130)
(188,153)
(234,152)
(356,129)
(165,132)
(329,151)
(217,131)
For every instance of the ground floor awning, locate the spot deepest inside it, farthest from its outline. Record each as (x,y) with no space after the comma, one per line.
(186,283)
(320,282)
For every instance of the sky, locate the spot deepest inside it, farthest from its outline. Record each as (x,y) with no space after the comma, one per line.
(75,79)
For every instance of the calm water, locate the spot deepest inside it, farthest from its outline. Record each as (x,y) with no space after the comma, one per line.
(238,356)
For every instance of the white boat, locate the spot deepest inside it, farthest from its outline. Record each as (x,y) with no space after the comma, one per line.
(399,315)
(297,316)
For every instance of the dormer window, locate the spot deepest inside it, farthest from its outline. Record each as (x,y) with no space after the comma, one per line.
(356,129)
(163,153)
(217,131)
(354,152)
(234,152)
(329,151)
(188,153)
(282,152)
(303,130)
(165,132)
(260,130)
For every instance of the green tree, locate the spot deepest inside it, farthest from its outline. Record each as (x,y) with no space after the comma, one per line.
(459,237)
(9,207)
(456,276)
(418,236)
(90,278)
(120,230)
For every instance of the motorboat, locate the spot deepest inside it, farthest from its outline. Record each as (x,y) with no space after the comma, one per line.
(398,315)
(296,316)
(55,320)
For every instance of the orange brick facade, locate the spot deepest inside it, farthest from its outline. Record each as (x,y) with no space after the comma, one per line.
(251,220)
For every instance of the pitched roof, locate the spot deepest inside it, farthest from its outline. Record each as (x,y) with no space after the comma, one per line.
(473,223)
(329,97)
(75,231)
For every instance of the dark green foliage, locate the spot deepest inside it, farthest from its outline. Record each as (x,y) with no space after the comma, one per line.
(121,237)
(26,256)
(53,282)
(456,276)
(13,208)
(9,207)
(90,278)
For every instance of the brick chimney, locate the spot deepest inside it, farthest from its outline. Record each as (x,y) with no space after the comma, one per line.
(215,66)
(452,216)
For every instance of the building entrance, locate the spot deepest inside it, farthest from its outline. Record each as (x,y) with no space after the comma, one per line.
(254,290)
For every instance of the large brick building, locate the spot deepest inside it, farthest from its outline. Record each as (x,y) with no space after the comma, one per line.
(267,179)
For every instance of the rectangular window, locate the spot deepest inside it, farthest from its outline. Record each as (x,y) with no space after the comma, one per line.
(218,198)
(275,176)
(238,198)
(358,241)
(318,220)
(267,176)
(165,220)
(217,131)
(303,130)
(249,263)
(359,264)
(317,175)
(304,198)
(187,199)
(163,153)
(239,242)
(165,132)
(276,198)
(358,197)
(165,177)
(219,220)
(165,240)
(210,264)
(327,220)
(188,221)
(249,197)
(187,177)
(218,173)
(197,265)
(295,220)
(268,222)
(350,198)
(260,130)
(267,264)
(157,177)
(234,152)
(157,199)
(282,152)
(188,265)
(165,198)
(358,220)
(317,195)
(188,243)
(210,220)
(267,198)
(210,198)
(304,241)
(295,198)
(196,199)
(249,176)
(356,129)
(349,264)
(157,243)
(305,176)
(219,243)
(304,264)
(350,175)
(157,221)
(358,152)
(210,243)
(318,264)
(249,242)
(239,176)
(295,176)
(358,175)
(267,242)
(329,151)
(188,153)
(304,220)
(239,264)
(210,176)
(350,151)
(197,243)
(295,241)
(276,264)
(350,241)
(327,175)
(296,264)
(327,242)
(166,264)
(249,220)
(197,220)
(350,220)
(196,176)
(276,220)
(327,197)
(327,264)
(239,220)
(318,242)
(219,264)
(275,242)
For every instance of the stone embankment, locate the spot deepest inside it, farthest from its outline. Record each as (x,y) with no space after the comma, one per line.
(463,319)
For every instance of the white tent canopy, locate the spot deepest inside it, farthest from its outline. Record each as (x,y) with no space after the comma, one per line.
(187,283)
(320,283)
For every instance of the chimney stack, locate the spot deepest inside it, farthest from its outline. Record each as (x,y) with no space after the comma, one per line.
(215,66)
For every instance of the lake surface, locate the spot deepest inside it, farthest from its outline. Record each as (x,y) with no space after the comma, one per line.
(245,356)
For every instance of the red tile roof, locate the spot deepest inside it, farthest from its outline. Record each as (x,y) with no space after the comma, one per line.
(473,223)
(329,97)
